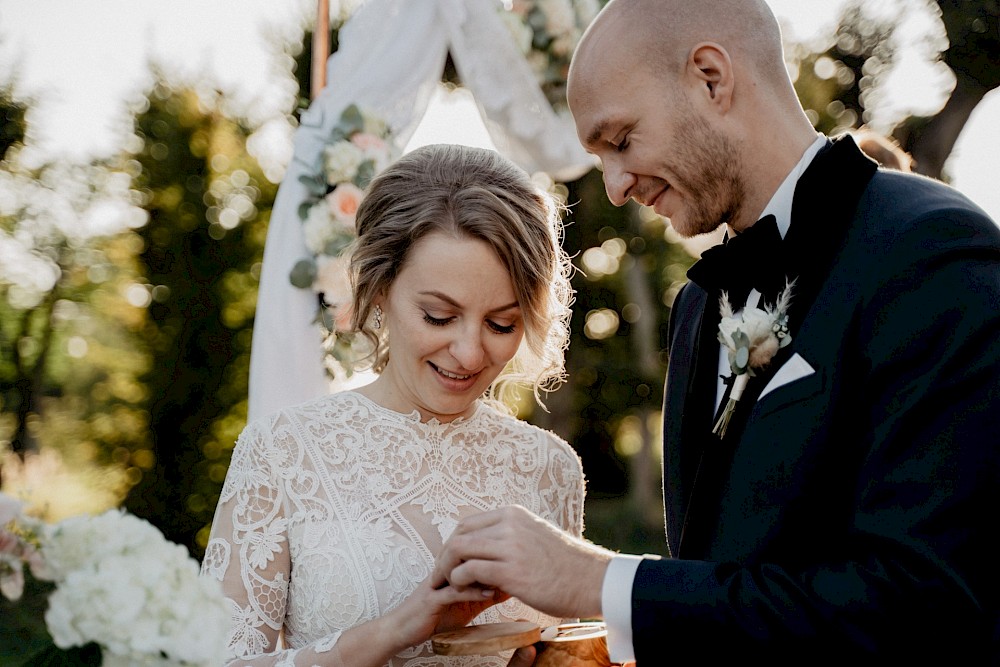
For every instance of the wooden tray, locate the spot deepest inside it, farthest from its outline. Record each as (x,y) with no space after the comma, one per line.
(486,639)
(566,645)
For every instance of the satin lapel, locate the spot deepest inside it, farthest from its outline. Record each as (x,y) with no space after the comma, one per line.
(826,200)
(683,406)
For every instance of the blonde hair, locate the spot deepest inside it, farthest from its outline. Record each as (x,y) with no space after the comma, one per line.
(479,194)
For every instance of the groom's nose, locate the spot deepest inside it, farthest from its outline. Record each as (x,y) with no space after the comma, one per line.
(618,182)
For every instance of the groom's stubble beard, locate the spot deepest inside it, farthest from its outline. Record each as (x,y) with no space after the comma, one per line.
(708,166)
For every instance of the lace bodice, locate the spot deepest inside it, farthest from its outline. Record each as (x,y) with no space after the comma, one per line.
(332,513)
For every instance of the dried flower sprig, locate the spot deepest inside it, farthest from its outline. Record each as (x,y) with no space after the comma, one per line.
(752,337)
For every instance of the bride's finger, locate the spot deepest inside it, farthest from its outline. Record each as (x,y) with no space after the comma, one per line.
(475,572)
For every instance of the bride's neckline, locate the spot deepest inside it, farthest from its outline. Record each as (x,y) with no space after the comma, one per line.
(414,415)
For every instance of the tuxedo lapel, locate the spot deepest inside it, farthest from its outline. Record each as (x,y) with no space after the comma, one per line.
(820,218)
(816,235)
(688,400)
(700,469)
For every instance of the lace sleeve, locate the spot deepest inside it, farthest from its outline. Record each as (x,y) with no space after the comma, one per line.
(248,551)
(562,501)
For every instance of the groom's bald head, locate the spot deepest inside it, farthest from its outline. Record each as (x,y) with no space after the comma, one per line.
(689,107)
(660,35)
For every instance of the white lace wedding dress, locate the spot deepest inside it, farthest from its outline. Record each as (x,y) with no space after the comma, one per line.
(332,513)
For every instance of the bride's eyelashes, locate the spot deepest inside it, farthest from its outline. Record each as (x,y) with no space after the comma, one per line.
(500,328)
(494,326)
(438,322)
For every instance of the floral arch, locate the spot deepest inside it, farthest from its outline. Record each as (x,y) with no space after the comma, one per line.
(391,54)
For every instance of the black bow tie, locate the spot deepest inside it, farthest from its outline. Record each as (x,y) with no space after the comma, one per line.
(753,259)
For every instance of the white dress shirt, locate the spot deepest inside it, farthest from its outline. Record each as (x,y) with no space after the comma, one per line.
(616,591)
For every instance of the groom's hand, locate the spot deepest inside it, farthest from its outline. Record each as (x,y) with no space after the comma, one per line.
(515,551)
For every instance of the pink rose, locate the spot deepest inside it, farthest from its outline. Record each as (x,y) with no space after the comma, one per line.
(10,509)
(368,142)
(344,202)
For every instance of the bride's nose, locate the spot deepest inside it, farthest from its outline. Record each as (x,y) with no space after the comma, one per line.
(467,348)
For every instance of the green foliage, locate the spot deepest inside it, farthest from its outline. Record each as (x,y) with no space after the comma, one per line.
(24,638)
(68,356)
(208,206)
(12,123)
(836,84)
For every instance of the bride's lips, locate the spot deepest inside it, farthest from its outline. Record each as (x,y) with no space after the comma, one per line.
(453,380)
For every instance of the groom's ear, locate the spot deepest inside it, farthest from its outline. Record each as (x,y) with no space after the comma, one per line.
(712,70)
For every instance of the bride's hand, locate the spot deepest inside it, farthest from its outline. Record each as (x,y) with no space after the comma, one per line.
(430,610)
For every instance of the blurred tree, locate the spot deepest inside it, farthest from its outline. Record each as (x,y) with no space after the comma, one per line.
(12,123)
(841,82)
(630,269)
(836,85)
(973,54)
(67,327)
(208,207)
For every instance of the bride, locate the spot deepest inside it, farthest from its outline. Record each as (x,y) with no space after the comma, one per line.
(332,511)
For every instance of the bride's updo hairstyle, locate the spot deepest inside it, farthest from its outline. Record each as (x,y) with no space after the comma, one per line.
(479,194)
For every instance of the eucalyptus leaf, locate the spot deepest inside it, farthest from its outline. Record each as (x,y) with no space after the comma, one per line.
(351,121)
(315,184)
(364,174)
(325,318)
(304,208)
(742,357)
(303,274)
(337,245)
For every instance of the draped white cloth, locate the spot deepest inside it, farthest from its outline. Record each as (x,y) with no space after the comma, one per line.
(390,58)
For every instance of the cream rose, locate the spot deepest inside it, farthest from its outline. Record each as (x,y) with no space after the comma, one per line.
(342,160)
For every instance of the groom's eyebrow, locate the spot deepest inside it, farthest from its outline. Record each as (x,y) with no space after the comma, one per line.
(595,135)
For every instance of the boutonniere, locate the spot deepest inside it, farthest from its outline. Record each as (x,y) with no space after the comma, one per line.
(752,338)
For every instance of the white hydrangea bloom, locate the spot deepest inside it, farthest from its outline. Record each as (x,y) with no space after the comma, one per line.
(318,228)
(342,160)
(560,17)
(121,584)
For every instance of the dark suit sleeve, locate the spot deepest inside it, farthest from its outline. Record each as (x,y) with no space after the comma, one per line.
(907,570)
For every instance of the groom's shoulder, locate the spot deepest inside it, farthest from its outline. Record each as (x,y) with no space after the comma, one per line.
(916,210)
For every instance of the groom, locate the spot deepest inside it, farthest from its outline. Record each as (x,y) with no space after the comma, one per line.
(848,510)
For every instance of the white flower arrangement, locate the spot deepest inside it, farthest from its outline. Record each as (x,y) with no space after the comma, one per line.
(119,584)
(752,337)
(547,32)
(360,148)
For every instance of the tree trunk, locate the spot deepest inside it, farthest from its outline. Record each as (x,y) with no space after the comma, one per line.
(931,143)
(644,474)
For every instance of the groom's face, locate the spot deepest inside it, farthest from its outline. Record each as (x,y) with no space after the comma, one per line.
(654,146)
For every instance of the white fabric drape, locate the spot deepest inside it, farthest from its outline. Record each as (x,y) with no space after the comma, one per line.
(390,58)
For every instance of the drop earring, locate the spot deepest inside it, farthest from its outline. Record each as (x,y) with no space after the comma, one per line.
(377,317)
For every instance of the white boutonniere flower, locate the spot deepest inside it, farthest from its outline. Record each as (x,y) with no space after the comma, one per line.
(752,337)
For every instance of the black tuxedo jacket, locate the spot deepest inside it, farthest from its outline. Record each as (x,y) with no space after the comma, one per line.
(849,513)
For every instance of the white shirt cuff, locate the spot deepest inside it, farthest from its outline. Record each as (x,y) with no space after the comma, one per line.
(616,606)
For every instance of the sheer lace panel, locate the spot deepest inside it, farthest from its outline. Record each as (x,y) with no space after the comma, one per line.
(332,512)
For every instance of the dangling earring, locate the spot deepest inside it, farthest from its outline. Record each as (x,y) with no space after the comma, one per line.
(377,317)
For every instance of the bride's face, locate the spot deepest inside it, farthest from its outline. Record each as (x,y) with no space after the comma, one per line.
(453,323)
